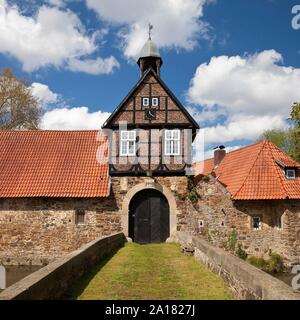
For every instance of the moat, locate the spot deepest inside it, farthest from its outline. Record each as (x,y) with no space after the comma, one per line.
(16,273)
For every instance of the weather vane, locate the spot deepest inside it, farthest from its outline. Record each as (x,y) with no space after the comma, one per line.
(150,26)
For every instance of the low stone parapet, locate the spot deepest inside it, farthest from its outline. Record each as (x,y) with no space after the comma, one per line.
(247,281)
(52,281)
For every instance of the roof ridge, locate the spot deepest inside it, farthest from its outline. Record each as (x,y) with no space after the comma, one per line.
(285,154)
(239,149)
(256,158)
(280,178)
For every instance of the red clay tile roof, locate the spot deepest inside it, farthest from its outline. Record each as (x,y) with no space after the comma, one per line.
(254,173)
(204,167)
(53,164)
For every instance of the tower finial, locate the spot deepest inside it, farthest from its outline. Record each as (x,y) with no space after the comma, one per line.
(150,27)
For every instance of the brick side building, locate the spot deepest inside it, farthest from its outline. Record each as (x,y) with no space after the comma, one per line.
(61,189)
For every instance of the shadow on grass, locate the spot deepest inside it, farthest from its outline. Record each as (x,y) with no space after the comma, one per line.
(80,284)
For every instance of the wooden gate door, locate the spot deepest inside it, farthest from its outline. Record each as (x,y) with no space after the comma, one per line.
(149,217)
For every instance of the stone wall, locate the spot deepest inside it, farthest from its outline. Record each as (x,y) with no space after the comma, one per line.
(245,280)
(38,230)
(52,281)
(215,216)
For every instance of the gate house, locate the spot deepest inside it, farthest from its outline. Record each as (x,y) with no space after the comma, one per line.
(156,141)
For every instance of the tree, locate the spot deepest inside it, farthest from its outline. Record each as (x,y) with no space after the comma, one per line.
(295,114)
(281,138)
(288,140)
(19,109)
(295,117)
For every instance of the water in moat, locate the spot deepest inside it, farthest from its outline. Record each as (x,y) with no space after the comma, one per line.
(16,273)
(285,277)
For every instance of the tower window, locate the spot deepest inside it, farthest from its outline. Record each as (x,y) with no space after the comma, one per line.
(146,102)
(291,174)
(80,216)
(172,142)
(128,143)
(155,102)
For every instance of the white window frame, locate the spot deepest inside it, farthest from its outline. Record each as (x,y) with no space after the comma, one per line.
(172,141)
(155,99)
(131,137)
(294,174)
(144,99)
(259,225)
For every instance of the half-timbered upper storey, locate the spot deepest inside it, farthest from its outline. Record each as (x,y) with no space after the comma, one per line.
(151,131)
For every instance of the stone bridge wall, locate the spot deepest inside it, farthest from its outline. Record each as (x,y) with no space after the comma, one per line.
(52,281)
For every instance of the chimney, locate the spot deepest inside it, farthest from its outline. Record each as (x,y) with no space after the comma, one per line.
(219,155)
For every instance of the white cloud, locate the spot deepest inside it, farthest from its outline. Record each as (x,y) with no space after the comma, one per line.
(97,66)
(177,23)
(73,119)
(255,84)
(253,92)
(52,37)
(44,94)
(242,127)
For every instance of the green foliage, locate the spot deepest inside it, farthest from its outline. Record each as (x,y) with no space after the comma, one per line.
(281,138)
(206,179)
(295,134)
(288,140)
(273,265)
(295,114)
(232,240)
(180,196)
(258,262)
(240,252)
(192,193)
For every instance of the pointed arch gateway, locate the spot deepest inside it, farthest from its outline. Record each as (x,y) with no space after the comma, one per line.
(149,213)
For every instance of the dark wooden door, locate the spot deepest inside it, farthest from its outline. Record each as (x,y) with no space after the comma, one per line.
(149,217)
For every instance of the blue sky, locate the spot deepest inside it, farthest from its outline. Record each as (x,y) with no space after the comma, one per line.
(234,64)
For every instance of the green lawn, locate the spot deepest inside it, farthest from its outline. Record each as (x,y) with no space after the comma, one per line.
(154,271)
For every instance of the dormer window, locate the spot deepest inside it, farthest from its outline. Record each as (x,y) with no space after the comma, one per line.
(146,102)
(290,174)
(128,143)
